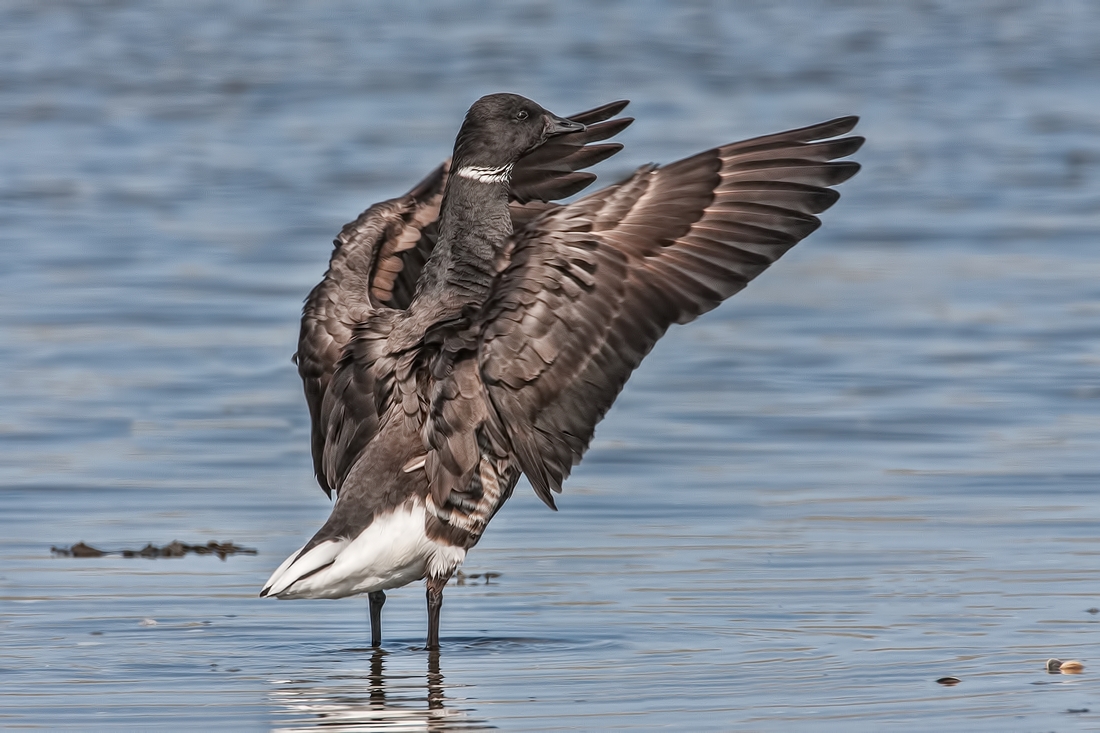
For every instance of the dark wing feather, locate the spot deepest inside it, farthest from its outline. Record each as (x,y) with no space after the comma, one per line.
(593,285)
(360,277)
(358,395)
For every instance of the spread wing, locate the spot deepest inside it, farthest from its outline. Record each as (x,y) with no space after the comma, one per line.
(361,276)
(591,286)
(375,264)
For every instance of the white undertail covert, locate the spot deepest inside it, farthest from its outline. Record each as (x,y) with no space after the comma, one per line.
(392,551)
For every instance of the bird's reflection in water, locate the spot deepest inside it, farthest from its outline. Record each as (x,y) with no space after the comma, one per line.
(375,701)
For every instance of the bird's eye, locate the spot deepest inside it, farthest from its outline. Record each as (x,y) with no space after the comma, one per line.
(521,115)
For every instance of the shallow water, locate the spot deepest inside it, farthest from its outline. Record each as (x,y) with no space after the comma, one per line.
(874,468)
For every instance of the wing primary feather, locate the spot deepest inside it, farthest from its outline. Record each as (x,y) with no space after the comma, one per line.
(665,245)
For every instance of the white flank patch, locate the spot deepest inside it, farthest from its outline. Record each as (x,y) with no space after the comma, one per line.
(393,551)
(483,174)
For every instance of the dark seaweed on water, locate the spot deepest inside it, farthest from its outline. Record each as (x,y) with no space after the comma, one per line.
(175,548)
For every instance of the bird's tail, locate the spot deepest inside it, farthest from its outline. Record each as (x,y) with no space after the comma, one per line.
(301,565)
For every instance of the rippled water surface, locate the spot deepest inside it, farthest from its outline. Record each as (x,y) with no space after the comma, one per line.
(876,467)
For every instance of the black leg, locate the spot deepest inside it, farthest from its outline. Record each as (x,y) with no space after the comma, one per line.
(435,603)
(377,600)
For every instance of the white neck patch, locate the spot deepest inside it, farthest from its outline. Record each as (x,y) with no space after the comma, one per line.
(483,174)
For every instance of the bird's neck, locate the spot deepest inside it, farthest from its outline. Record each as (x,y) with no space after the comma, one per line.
(474,226)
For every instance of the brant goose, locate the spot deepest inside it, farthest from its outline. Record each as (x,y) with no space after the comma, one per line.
(473,330)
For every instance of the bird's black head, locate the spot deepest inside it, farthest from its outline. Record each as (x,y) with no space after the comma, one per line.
(500,128)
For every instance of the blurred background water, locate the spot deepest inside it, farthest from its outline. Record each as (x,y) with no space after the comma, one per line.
(875,467)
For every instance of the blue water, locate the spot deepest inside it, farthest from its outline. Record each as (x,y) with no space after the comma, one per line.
(875,467)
